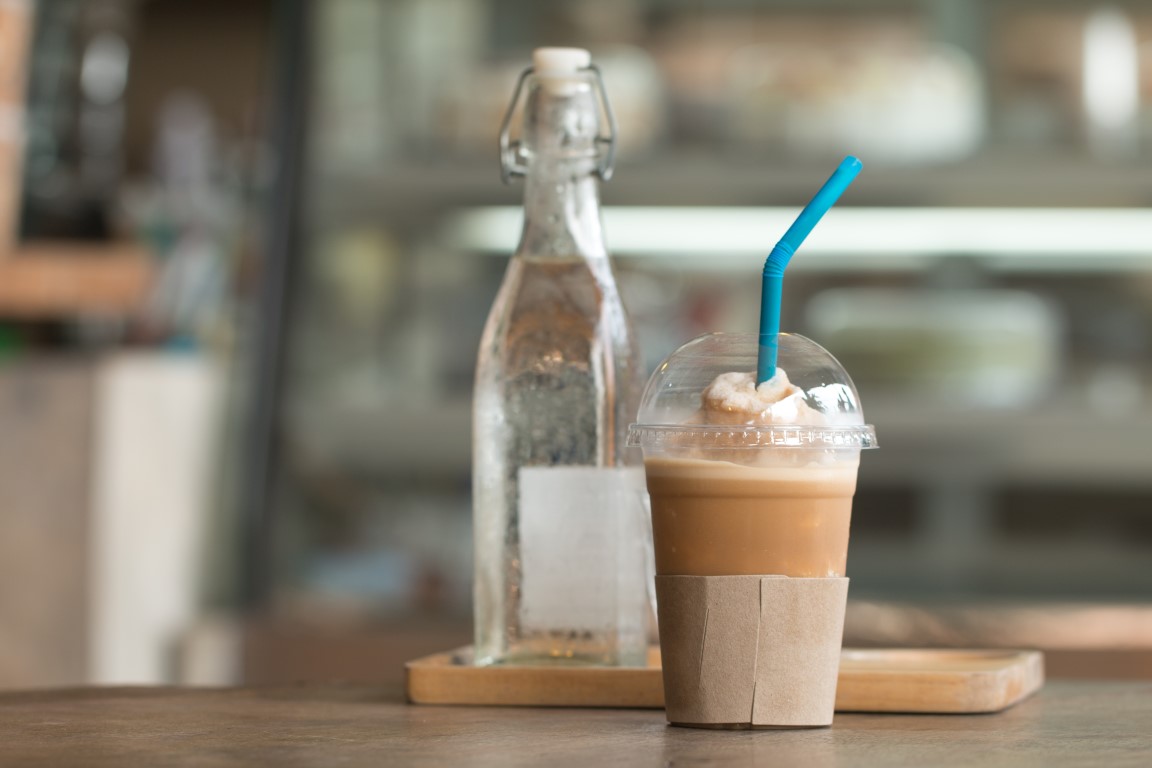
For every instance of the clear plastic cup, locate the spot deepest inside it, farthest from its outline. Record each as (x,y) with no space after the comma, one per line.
(738,498)
(737,495)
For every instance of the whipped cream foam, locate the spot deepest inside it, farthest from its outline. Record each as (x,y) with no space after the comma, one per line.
(735,398)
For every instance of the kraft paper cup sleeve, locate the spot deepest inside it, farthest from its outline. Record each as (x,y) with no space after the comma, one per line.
(750,651)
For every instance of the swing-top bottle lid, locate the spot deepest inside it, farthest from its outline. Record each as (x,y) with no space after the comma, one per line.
(559,61)
(563,73)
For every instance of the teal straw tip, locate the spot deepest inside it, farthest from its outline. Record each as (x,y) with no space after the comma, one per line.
(824,199)
(778,260)
(844,175)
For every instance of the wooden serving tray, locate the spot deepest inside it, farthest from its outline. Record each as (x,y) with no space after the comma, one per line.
(871,680)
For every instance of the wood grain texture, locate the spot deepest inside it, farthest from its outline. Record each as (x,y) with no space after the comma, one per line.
(450,678)
(1067,724)
(936,681)
(870,680)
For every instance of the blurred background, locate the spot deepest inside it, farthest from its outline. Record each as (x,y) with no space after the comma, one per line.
(249,246)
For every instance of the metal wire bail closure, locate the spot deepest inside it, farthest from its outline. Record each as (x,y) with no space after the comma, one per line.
(511,161)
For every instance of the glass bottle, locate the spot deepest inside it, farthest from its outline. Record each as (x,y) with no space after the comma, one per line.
(562,549)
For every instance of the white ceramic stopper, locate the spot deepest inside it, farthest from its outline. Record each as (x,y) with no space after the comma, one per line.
(560,61)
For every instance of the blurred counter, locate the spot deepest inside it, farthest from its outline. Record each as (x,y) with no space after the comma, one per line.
(1096,641)
(1080,640)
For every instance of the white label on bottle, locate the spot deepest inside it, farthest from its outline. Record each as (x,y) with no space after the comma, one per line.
(583,543)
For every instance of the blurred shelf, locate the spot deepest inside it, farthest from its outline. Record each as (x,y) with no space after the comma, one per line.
(852,239)
(1058,442)
(726,177)
(51,279)
(989,567)
(384,438)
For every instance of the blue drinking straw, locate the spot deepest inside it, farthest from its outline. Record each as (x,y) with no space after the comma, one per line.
(772,287)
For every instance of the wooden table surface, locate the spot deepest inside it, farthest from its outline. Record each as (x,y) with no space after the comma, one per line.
(1067,723)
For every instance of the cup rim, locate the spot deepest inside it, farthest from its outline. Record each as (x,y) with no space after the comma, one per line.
(705,436)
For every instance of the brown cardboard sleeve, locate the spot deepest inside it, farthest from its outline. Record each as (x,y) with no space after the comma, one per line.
(750,651)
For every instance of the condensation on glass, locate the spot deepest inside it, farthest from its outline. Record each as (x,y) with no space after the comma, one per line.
(562,548)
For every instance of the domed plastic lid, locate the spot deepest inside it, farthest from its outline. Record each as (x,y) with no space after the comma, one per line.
(822,409)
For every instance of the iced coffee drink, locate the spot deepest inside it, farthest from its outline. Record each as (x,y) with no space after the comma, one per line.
(751,488)
(725,509)
(712,518)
